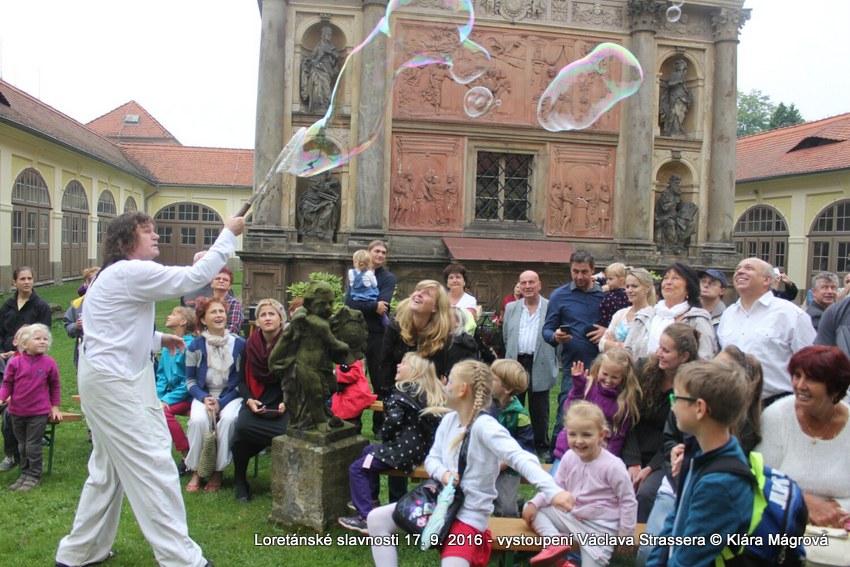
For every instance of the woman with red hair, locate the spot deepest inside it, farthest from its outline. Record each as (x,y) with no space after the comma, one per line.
(806,435)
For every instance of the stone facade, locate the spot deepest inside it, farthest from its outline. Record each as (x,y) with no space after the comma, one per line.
(428,174)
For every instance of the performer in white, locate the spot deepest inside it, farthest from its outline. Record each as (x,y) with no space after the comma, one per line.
(131,444)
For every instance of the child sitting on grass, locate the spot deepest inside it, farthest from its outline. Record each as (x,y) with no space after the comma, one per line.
(31,388)
(510,379)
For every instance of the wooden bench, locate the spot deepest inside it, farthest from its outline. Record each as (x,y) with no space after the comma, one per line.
(50,435)
(514,541)
(377,405)
(75,398)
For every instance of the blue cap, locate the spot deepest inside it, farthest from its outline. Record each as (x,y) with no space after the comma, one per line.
(716,274)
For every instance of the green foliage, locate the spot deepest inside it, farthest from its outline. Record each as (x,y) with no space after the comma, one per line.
(754,111)
(785,116)
(299,288)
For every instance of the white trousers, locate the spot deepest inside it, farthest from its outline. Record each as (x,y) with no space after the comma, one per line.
(131,452)
(199,424)
(551,521)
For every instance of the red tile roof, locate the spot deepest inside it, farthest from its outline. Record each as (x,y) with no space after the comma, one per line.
(143,129)
(186,165)
(822,145)
(28,113)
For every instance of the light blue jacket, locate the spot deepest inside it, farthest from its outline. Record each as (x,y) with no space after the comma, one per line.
(171,375)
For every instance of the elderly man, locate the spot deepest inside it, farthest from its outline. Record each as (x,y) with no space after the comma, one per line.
(373,312)
(769,328)
(712,286)
(824,290)
(571,321)
(522,328)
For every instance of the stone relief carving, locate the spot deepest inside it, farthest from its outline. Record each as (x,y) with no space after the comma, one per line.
(685,26)
(675,100)
(645,14)
(598,15)
(727,22)
(318,209)
(675,220)
(560,10)
(514,10)
(585,211)
(319,69)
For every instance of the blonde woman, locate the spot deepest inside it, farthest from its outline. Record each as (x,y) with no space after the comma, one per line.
(640,291)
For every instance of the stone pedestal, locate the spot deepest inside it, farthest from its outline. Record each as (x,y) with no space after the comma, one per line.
(310,476)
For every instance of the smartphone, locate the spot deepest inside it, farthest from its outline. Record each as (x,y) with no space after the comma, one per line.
(566,329)
(270,411)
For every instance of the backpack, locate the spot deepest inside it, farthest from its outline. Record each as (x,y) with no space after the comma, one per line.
(778,509)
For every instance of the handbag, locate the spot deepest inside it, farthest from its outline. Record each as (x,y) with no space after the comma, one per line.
(414,509)
(835,554)
(209,449)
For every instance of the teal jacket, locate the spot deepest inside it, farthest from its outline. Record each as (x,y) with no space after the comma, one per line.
(171,375)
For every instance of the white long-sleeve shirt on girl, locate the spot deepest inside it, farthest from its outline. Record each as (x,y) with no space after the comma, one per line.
(489,444)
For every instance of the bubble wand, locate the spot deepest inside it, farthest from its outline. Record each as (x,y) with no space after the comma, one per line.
(278,166)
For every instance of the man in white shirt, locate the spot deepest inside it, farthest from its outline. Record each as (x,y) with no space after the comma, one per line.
(769,328)
(522,331)
(131,450)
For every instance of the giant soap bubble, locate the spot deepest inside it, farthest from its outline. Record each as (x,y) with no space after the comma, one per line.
(587,88)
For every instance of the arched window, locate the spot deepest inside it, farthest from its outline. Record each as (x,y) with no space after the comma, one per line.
(184,229)
(762,232)
(75,231)
(829,248)
(130,205)
(31,224)
(106,211)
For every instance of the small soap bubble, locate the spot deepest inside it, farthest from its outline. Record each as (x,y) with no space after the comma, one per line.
(585,89)
(677,3)
(477,102)
(313,150)
(674,13)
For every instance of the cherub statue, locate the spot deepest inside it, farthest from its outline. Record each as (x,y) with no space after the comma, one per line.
(304,358)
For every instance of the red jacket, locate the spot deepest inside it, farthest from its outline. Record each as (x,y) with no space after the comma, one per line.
(354,394)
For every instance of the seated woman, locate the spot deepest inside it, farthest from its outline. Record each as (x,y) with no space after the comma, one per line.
(215,364)
(264,416)
(222,289)
(640,291)
(806,435)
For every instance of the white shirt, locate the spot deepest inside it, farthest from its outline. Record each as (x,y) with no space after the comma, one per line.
(467,301)
(120,306)
(528,329)
(772,331)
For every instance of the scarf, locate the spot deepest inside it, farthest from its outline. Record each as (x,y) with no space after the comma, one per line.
(219,358)
(664,317)
(257,373)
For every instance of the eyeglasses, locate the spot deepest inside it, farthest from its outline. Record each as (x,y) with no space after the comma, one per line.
(674,397)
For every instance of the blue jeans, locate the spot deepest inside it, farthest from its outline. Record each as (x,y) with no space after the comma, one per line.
(566,386)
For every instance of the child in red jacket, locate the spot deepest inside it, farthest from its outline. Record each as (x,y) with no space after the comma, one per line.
(353,395)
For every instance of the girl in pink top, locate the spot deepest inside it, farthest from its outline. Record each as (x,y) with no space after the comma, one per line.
(31,388)
(605,504)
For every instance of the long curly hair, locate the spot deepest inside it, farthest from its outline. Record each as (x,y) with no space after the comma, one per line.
(435,335)
(628,400)
(122,236)
(686,341)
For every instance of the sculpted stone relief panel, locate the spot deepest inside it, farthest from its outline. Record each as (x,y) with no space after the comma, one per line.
(427,183)
(581,199)
(522,65)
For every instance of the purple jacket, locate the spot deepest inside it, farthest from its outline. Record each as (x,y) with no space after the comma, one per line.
(605,398)
(33,383)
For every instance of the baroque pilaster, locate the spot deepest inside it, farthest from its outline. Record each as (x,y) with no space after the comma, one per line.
(726,24)
(369,193)
(271,108)
(634,203)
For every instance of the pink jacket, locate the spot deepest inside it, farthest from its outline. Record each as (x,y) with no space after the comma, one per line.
(33,383)
(354,394)
(602,488)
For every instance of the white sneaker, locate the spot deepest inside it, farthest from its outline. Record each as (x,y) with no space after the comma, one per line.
(7,464)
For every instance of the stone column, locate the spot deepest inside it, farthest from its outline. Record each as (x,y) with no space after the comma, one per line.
(727,24)
(369,193)
(271,109)
(634,204)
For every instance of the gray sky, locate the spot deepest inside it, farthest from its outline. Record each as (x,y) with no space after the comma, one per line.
(193,63)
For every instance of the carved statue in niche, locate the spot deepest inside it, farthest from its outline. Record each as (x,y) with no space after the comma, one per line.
(403,199)
(675,100)
(675,220)
(319,70)
(317,211)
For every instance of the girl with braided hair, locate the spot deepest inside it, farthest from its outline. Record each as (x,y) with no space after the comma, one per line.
(469,542)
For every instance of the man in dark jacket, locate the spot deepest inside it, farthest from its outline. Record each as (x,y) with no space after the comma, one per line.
(373,312)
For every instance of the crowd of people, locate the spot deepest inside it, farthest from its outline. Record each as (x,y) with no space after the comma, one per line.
(655,382)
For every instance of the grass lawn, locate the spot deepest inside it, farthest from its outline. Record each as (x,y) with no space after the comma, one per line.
(32,524)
